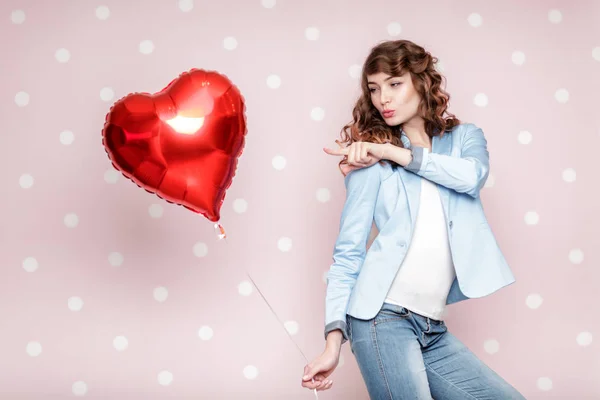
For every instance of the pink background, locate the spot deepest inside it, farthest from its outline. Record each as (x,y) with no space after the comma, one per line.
(108,292)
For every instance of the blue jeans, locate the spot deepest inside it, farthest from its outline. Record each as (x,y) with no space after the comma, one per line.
(403,355)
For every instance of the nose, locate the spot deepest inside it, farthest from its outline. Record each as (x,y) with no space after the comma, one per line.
(385,97)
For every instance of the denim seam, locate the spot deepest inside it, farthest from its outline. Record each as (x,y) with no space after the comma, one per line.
(383,320)
(450,383)
(379,361)
(349,328)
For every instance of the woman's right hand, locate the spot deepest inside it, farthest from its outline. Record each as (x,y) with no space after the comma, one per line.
(347,168)
(320,369)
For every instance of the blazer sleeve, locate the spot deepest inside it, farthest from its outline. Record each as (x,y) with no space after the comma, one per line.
(362,188)
(465,174)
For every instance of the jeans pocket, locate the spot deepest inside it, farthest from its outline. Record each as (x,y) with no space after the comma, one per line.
(387,315)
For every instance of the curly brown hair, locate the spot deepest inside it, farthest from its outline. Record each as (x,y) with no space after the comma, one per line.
(394,58)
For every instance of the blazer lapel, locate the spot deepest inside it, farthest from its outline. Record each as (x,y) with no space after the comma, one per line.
(412,182)
(412,187)
(443,146)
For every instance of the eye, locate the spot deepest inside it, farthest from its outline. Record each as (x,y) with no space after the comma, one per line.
(372,90)
(394,84)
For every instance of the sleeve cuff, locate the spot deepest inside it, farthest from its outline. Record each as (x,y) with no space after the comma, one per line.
(419,157)
(341,325)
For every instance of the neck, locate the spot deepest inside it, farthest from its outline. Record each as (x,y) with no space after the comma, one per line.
(415,131)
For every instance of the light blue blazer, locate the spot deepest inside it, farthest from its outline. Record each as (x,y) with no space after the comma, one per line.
(358,280)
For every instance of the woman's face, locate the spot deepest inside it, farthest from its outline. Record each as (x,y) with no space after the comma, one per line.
(394,97)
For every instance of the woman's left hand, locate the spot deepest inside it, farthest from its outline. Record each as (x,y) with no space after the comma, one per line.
(359,154)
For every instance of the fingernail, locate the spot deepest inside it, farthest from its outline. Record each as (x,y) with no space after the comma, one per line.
(305,377)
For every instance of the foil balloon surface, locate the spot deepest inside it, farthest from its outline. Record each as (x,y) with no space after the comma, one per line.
(182,143)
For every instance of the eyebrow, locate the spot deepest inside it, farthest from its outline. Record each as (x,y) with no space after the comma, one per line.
(386,79)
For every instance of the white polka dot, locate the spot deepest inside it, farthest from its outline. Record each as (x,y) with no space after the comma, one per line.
(165,378)
(292,327)
(146,46)
(155,210)
(279,162)
(120,343)
(30,264)
(284,244)
(355,71)
(230,43)
(79,388)
(525,137)
(34,349)
(62,55)
(205,333)
(532,218)
(102,13)
(439,66)
(311,33)
(22,99)
(394,28)
(240,206)
(111,176)
(518,57)
(200,249)
(245,288)
(26,181)
(480,100)
(116,259)
(554,16)
(268,3)
(71,220)
(273,81)
(475,20)
(323,195)
(107,94)
(562,95)
(584,339)
(66,137)
(596,53)
(534,301)
(160,294)
(576,256)
(186,5)
(317,114)
(17,16)
(544,383)
(250,372)
(569,175)
(491,346)
(75,303)
(490,182)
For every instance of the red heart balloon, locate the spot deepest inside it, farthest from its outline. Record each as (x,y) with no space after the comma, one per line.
(182,143)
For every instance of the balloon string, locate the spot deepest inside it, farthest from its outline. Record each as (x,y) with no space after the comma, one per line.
(222,235)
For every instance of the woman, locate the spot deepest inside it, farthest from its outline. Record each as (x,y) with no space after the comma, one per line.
(415,171)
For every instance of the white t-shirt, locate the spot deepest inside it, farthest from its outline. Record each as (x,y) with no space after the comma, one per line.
(427,272)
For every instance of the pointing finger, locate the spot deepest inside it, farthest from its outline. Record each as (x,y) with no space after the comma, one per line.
(336,152)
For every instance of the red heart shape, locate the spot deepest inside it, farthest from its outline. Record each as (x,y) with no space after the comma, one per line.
(182,143)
